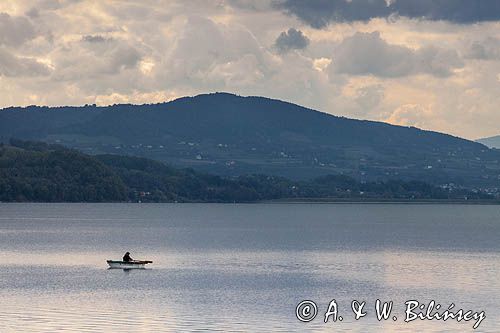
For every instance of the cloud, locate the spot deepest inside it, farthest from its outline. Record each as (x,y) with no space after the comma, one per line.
(93,38)
(487,49)
(369,97)
(13,66)
(291,40)
(33,13)
(205,54)
(368,54)
(14,31)
(260,5)
(412,115)
(319,13)
(95,57)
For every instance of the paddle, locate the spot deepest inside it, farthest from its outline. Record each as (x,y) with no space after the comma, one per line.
(142,261)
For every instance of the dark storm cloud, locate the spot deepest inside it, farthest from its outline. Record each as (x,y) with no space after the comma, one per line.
(319,13)
(291,40)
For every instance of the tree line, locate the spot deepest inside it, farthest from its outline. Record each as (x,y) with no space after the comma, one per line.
(40,172)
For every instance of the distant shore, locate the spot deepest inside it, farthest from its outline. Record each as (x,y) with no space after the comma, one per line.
(40,172)
(285,201)
(382,201)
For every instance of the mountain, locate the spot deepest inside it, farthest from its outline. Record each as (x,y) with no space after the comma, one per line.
(492,142)
(35,171)
(231,135)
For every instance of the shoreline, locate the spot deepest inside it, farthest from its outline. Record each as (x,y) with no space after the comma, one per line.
(389,201)
(289,201)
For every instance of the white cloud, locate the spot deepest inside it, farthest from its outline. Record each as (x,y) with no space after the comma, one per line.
(411,115)
(368,53)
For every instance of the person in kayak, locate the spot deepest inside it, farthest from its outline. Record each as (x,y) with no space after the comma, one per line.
(127,257)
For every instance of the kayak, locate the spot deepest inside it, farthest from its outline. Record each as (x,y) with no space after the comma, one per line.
(135,264)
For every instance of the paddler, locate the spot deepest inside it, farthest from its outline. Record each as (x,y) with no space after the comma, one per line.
(127,257)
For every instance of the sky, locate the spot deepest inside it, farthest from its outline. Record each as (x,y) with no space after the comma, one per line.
(433,64)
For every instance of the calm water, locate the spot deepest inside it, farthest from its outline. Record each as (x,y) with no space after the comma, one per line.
(243,267)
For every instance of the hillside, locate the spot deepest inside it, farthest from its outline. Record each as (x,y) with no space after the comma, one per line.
(38,172)
(34,171)
(492,142)
(231,135)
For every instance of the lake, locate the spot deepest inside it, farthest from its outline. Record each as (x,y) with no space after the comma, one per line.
(244,267)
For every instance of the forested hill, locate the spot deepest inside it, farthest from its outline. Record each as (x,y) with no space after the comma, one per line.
(231,135)
(39,172)
(34,171)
